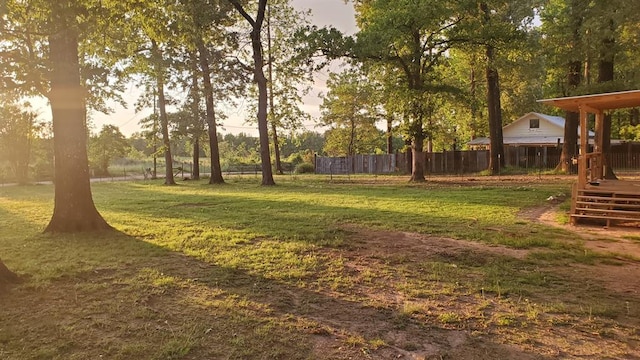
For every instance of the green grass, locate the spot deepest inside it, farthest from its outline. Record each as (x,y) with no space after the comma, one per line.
(262,271)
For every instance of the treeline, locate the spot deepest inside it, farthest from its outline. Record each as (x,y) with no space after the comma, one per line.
(26,148)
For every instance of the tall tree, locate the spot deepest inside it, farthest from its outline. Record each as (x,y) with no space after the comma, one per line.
(351,112)
(410,39)
(74,209)
(502,26)
(41,57)
(108,144)
(261,80)
(288,77)
(18,128)
(562,24)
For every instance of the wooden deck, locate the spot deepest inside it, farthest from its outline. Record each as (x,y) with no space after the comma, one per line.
(608,201)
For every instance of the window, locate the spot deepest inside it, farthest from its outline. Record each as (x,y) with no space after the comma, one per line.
(534,123)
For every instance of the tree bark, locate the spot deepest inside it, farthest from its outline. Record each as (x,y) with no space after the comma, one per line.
(74,209)
(7,277)
(212,131)
(195,110)
(195,171)
(164,119)
(261,80)
(572,121)
(417,146)
(417,156)
(408,159)
(389,135)
(496,147)
(274,127)
(606,74)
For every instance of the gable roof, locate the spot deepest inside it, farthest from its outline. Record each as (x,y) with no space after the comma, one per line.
(554,120)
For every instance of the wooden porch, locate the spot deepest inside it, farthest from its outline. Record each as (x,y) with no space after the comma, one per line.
(593,196)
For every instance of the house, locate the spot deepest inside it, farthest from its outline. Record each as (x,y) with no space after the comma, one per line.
(531,130)
(532,140)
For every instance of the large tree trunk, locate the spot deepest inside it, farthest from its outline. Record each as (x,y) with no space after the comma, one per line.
(417,155)
(572,121)
(74,210)
(496,149)
(408,160)
(605,74)
(212,131)
(7,277)
(261,80)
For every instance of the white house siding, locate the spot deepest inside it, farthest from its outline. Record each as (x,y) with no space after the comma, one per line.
(520,128)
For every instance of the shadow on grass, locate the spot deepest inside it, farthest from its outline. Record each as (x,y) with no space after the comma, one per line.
(278,214)
(115,296)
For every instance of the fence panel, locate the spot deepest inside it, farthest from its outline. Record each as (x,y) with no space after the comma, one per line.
(460,162)
(357,164)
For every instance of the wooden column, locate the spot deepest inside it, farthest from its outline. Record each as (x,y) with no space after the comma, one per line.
(584,150)
(598,145)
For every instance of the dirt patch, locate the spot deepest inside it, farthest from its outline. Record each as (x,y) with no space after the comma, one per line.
(416,246)
(498,331)
(623,239)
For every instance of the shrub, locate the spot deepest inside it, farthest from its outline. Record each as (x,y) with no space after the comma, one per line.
(305,168)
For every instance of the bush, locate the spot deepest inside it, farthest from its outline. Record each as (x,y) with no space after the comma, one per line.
(305,168)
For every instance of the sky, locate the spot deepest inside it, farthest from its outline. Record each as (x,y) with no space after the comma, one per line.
(323,13)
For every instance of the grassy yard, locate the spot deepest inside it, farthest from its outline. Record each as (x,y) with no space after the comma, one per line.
(354,268)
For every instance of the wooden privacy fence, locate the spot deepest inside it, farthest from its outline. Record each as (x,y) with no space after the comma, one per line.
(460,162)
(357,164)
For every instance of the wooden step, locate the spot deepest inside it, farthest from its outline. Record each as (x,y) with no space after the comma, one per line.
(600,205)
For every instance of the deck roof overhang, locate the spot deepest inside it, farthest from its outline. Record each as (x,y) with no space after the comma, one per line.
(601,102)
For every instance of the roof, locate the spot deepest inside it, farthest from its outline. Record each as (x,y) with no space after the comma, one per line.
(522,140)
(530,141)
(606,101)
(555,120)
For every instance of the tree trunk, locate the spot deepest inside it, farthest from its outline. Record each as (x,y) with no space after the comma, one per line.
(389,135)
(164,124)
(195,171)
(195,111)
(417,152)
(408,157)
(605,74)
(7,277)
(261,80)
(572,121)
(496,147)
(74,210)
(274,127)
(164,119)
(212,131)
(276,149)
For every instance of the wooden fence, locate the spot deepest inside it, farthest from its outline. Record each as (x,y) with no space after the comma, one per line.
(357,164)
(460,162)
